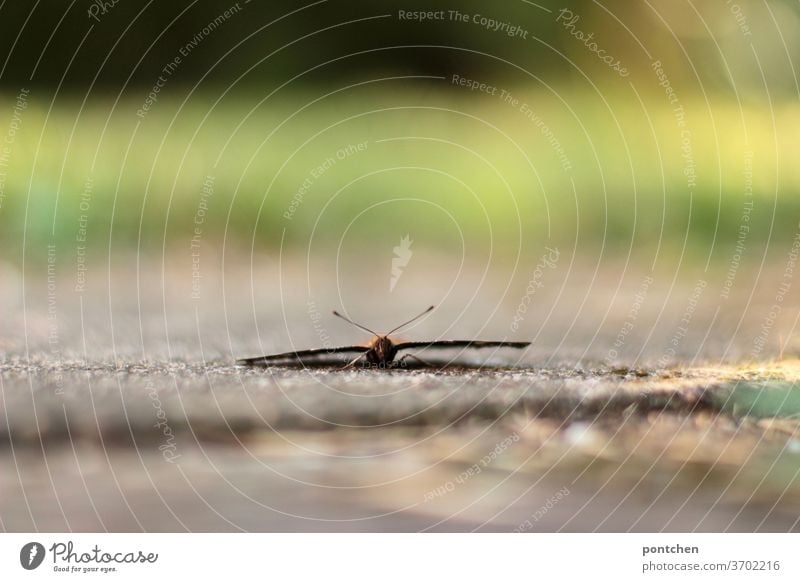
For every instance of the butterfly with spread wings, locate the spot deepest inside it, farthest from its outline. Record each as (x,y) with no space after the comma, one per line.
(380,352)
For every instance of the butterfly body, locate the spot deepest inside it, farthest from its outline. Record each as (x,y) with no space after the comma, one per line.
(382,351)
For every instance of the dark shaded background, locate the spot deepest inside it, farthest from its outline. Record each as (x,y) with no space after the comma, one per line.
(50,44)
(133,40)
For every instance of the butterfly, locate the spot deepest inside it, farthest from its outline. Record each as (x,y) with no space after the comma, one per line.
(380,352)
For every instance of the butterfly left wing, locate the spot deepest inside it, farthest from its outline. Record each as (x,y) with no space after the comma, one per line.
(301,358)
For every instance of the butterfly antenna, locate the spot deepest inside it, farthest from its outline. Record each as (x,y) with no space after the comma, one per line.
(412,320)
(358,325)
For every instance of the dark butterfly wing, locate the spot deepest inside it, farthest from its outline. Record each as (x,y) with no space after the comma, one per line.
(461,344)
(302,357)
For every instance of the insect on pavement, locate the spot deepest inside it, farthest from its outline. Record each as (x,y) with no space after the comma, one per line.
(380,352)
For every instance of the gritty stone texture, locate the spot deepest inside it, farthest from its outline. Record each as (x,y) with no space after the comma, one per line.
(135,418)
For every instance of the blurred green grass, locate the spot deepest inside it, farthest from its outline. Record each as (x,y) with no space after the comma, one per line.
(446,163)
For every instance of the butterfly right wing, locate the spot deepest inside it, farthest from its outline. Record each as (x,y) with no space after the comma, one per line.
(303,357)
(461,344)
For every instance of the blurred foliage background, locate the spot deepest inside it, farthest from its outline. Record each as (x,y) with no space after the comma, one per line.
(140,125)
